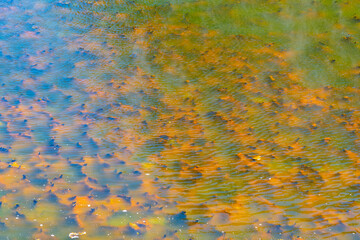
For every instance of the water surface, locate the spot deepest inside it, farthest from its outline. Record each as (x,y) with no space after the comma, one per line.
(179,119)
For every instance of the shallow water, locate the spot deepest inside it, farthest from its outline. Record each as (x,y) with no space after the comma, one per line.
(179,119)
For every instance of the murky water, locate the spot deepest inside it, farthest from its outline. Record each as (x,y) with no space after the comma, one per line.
(179,119)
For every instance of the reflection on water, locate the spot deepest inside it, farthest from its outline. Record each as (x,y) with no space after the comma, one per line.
(179,119)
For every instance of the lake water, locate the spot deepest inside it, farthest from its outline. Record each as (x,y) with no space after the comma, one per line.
(179,119)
